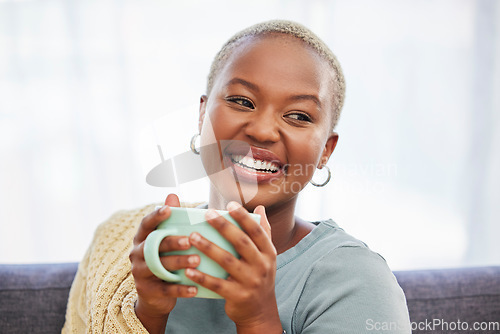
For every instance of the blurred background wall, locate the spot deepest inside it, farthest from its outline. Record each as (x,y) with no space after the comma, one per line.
(89,88)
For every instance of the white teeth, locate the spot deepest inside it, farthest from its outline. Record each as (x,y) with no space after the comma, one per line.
(255,164)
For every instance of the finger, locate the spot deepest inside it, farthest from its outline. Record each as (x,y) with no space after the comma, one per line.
(172,200)
(178,290)
(177,262)
(140,270)
(261,210)
(217,285)
(254,230)
(241,242)
(174,243)
(150,222)
(158,288)
(225,259)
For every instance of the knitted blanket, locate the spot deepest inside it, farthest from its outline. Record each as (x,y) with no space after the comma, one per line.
(103,293)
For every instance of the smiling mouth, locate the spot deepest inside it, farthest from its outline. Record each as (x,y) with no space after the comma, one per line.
(255,165)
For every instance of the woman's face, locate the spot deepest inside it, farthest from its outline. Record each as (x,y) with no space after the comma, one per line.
(269,112)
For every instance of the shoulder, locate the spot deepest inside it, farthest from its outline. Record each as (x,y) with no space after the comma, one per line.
(355,266)
(113,239)
(342,251)
(103,281)
(345,261)
(121,224)
(350,285)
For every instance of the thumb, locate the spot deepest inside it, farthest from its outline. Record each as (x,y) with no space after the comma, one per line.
(261,210)
(172,200)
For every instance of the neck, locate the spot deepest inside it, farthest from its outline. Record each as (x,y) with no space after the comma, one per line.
(281,217)
(283,225)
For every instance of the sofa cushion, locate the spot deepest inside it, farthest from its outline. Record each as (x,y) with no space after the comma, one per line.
(439,299)
(33,297)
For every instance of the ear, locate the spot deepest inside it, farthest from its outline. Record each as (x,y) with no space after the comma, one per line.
(203,107)
(328,150)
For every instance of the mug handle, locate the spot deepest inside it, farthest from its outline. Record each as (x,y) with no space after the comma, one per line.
(152,258)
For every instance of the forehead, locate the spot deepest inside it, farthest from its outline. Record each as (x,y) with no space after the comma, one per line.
(278,60)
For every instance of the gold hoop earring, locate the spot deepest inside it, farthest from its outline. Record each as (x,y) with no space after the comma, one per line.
(192,145)
(327,179)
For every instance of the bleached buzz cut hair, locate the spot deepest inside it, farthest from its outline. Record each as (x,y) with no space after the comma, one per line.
(292,29)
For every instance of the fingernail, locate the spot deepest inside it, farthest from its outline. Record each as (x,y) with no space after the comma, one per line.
(257,208)
(189,272)
(195,237)
(211,214)
(184,242)
(193,260)
(163,209)
(192,290)
(231,206)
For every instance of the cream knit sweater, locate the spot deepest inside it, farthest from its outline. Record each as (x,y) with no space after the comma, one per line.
(103,293)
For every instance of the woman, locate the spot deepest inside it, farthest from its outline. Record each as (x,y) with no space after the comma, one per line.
(277,90)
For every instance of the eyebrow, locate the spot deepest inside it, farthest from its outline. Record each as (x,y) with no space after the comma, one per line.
(245,83)
(307,97)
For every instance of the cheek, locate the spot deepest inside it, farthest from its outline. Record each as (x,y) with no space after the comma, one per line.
(217,127)
(304,153)
(217,124)
(307,146)
(209,150)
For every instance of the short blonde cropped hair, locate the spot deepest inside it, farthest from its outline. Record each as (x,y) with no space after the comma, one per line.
(295,30)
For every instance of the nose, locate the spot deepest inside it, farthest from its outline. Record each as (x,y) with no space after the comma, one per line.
(262,127)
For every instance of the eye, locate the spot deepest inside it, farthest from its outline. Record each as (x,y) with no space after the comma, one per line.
(301,117)
(242,101)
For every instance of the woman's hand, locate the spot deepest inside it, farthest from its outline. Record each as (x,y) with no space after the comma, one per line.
(157,298)
(249,289)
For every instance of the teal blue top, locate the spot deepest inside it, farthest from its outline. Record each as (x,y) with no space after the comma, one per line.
(329,282)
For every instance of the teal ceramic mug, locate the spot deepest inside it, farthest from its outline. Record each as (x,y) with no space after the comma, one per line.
(184,221)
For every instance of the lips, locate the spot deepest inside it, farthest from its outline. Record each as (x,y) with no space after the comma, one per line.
(257,165)
(253,164)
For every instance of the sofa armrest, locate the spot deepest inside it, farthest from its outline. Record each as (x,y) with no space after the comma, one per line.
(33,297)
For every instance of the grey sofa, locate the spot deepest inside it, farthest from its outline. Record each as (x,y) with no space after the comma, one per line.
(33,299)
